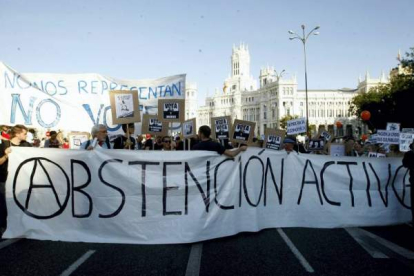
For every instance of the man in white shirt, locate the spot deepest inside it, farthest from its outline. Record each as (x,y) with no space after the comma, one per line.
(100,132)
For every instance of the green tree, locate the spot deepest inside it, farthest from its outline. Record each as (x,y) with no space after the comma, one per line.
(389,102)
(284,119)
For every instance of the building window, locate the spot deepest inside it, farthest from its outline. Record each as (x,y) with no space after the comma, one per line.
(265,112)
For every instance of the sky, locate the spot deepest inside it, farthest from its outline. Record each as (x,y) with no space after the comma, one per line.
(153,39)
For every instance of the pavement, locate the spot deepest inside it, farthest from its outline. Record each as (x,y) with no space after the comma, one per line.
(283,251)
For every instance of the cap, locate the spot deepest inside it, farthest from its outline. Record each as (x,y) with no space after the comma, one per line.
(289,141)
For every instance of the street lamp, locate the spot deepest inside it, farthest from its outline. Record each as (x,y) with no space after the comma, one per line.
(304,38)
(278,76)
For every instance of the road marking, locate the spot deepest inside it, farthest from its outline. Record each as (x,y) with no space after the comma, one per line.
(194,261)
(8,242)
(359,238)
(78,263)
(295,251)
(394,247)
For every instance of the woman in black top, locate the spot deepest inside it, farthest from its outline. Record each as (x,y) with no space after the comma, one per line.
(17,139)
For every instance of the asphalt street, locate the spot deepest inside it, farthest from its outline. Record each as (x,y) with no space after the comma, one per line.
(288,251)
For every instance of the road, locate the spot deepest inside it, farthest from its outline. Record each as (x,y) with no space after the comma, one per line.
(288,251)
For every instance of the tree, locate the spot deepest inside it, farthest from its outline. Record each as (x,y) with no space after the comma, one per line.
(284,119)
(389,102)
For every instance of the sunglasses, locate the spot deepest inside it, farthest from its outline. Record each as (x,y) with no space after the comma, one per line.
(168,141)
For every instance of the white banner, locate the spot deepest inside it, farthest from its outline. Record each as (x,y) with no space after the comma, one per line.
(388,136)
(77,101)
(296,126)
(148,197)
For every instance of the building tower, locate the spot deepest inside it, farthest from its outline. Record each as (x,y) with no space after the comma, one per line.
(240,61)
(190,100)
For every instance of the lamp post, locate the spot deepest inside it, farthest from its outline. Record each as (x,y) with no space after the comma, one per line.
(278,76)
(304,39)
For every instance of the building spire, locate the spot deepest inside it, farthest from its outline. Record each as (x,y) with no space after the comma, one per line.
(367,75)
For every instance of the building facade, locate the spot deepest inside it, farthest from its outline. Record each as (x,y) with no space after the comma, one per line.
(277,97)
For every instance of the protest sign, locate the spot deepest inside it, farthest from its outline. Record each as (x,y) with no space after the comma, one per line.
(326,136)
(296,126)
(242,131)
(337,150)
(171,110)
(405,141)
(151,125)
(189,128)
(221,127)
(77,138)
(273,139)
(75,102)
(182,197)
(393,126)
(316,144)
(408,130)
(124,107)
(388,137)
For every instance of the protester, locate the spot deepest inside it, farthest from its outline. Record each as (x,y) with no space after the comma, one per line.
(207,144)
(395,151)
(17,139)
(99,132)
(357,150)
(139,145)
(5,132)
(179,145)
(349,146)
(158,143)
(65,144)
(408,162)
(52,142)
(126,141)
(149,143)
(288,144)
(167,143)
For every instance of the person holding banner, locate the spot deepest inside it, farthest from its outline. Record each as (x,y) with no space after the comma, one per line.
(288,144)
(206,143)
(126,141)
(408,162)
(52,142)
(18,137)
(167,143)
(99,138)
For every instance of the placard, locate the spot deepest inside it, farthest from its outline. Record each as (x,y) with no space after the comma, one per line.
(316,144)
(221,127)
(273,139)
(296,126)
(405,141)
(171,110)
(152,125)
(388,136)
(337,149)
(243,131)
(77,138)
(325,135)
(124,106)
(408,130)
(189,128)
(393,126)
